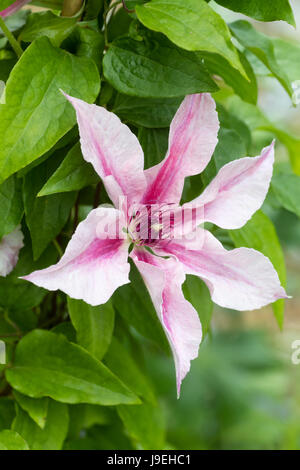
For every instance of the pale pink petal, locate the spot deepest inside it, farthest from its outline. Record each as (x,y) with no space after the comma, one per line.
(179,319)
(112,149)
(241,279)
(93,266)
(238,190)
(13,8)
(192,140)
(10,246)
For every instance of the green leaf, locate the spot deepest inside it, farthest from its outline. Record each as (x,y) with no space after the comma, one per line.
(16,21)
(36,115)
(259,233)
(121,363)
(262,47)
(230,121)
(192,25)
(102,438)
(65,143)
(37,408)
(7,412)
(291,142)
(66,329)
(54,433)
(11,440)
(146,112)
(118,24)
(260,10)
(89,43)
(7,65)
(5,3)
(26,320)
(197,293)
(246,88)
(155,145)
(6,329)
(45,216)
(73,174)
(287,54)
(52,4)
(94,325)
(234,141)
(145,425)
(230,147)
(19,295)
(257,121)
(46,364)
(154,68)
(131,4)
(83,417)
(93,8)
(134,304)
(46,23)
(11,205)
(287,190)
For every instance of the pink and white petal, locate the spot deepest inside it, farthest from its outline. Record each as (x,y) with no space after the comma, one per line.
(93,265)
(238,190)
(11,9)
(192,140)
(112,149)
(240,279)
(10,246)
(179,319)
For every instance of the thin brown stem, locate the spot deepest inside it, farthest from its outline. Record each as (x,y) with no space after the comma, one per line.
(125,7)
(11,335)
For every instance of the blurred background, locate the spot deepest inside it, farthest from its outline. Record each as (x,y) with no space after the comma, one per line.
(243,391)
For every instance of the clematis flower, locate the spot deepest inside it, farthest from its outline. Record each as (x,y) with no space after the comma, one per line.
(11,9)
(94,266)
(10,246)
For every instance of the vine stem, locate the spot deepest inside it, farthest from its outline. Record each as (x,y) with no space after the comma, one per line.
(10,37)
(12,323)
(58,247)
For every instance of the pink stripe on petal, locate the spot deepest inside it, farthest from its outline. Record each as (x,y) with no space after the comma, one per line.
(241,279)
(13,8)
(238,190)
(179,319)
(112,149)
(98,249)
(93,266)
(192,140)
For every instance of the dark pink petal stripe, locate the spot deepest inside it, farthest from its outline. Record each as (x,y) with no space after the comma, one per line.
(13,8)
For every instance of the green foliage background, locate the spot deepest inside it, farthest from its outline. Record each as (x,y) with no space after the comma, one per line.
(74,376)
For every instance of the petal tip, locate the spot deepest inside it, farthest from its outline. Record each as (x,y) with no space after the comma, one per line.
(70,98)
(27,277)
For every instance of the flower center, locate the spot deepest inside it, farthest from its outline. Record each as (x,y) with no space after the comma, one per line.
(151,223)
